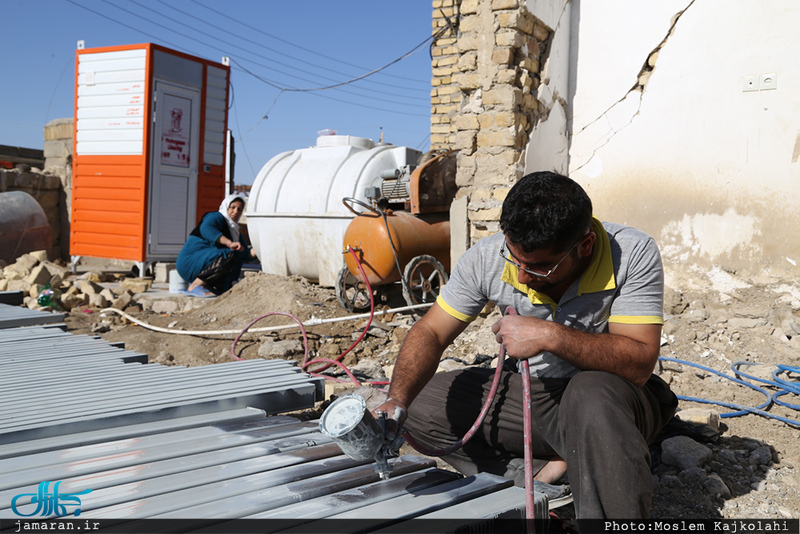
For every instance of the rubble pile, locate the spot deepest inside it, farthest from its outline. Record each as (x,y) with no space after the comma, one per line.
(32,274)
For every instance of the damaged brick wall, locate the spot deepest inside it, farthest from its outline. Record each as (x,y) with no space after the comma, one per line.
(486,68)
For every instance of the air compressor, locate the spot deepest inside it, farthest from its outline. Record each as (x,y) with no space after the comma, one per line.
(401,234)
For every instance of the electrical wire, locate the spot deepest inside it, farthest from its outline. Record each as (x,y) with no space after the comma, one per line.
(260,44)
(267,58)
(262,32)
(205,42)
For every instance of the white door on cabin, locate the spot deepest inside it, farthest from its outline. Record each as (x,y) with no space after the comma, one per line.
(174,164)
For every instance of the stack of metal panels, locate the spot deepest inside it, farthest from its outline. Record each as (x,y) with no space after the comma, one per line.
(12,316)
(243,472)
(199,449)
(52,383)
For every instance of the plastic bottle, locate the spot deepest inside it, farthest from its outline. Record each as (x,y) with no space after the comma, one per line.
(45,297)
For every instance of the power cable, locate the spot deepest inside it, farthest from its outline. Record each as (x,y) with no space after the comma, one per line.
(55,89)
(138,30)
(178,47)
(261,45)
(262,32)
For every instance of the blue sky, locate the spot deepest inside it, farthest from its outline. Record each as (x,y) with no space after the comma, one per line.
(287,44)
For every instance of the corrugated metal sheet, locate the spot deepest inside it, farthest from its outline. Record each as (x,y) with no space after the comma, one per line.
(12,316)
(194,449)
(52,383)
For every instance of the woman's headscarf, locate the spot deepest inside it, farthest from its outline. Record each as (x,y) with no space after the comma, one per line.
(223,209)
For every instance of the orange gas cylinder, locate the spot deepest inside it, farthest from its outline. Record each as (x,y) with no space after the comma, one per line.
(412,236)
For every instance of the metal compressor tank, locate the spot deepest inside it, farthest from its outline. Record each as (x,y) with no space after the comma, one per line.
(295,216)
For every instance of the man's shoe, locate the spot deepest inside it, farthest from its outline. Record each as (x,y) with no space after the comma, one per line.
(557,495)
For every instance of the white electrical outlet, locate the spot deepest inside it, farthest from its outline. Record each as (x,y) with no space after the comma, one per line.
(768,81)
(750,83)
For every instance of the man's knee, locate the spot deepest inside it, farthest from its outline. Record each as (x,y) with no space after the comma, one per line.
(594,396)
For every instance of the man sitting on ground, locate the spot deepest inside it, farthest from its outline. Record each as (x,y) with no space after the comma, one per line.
(589,299)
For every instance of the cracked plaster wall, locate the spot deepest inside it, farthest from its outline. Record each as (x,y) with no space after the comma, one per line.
(669,142)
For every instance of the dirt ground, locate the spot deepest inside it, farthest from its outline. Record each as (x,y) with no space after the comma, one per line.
(714,320)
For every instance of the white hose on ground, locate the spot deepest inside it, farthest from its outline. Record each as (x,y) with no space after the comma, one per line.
(310,322)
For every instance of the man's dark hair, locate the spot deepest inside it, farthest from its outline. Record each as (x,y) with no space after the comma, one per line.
(546,210)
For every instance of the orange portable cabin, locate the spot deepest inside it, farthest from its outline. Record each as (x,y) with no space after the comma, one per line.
(149,150)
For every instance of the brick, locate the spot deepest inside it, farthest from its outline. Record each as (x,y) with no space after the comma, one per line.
(534,48)
(502,56)
(525,80)
(504,161)
(443,71)
(506,77)
(512,39)
(446,109)
(57,149)
(528,21)
(500,193)
(541,32)
(467,82)
(470,23)
(39,275)
(508,97)
(440,129)
(438,139)
(58,129)
(492,214)
(468,61)
(530,64)
(504,4)
(468,7)
(510,20)
(467,122)
(504,119)
(448,60)
(529,102)
(477,235)
(468,42)
(449,90)
(465,141)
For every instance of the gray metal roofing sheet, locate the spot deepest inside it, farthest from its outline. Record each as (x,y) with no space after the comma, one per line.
(197,444)
(11,316)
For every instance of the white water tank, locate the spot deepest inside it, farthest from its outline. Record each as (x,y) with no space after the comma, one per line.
(295,216)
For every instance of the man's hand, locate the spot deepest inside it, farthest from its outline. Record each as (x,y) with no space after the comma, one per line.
(627,350)
(522,337)
(396,413)
(235,245)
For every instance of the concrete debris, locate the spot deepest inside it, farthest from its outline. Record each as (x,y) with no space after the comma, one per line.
(136,285)
(280,349)
(700,415)
(684,452)
(31,273)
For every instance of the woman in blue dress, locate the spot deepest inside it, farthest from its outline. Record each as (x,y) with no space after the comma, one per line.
(215,251)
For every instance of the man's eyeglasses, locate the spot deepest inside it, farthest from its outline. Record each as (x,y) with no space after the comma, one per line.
(538,274)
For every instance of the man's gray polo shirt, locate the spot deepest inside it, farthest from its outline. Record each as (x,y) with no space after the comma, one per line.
(624,283)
